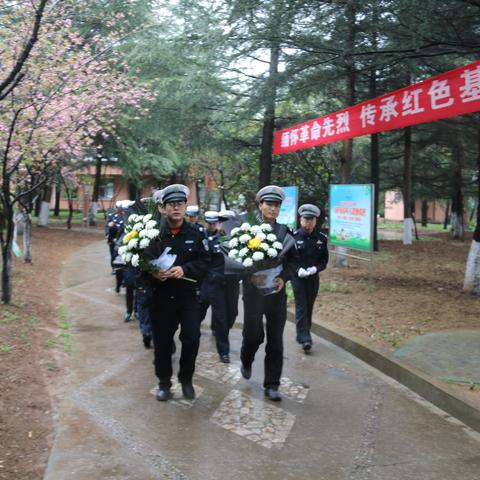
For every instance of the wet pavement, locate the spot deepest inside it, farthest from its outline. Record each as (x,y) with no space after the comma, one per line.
(339,418)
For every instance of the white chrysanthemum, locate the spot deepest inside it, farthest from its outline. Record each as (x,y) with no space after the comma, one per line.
(138,226)
(139,218)
(132,243)
(234,231)
(271,237)
(233,243)
(245,238)
(135,260)
(146,218)
(272,253)
(143,233)
(233,253)
(255,229)
(257,256)
(264,246)
(144,242)
(122,250)
(127,257)
(245,227)
(150,224)
(153,233)
(266,227)
(132,218)
(248,262)
(243,252)
(277,245)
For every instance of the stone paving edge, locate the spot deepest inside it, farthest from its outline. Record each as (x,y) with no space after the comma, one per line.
(436,393)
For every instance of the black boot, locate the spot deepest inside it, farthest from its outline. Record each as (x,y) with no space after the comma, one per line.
(147,341)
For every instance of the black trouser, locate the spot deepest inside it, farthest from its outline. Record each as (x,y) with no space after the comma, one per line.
(113,254)
(232,290)
(305,291)
(274,307)
(129,298)
(166,314)
(213,294)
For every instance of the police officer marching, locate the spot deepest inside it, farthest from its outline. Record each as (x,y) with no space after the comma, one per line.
(213,288)
(192,212)
(232,282)
(313,258)
(174,299)
(273,306)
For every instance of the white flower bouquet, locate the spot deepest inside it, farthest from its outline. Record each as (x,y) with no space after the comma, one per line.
(140,231)
(254,246)
(255,249)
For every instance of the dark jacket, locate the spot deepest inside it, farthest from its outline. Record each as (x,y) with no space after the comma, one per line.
(191,249)
(289,260)
(312,249)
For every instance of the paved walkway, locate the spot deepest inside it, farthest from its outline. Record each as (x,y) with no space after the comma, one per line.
(340,418)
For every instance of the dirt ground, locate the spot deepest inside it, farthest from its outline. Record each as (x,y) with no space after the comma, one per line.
(415,290)
(34,346)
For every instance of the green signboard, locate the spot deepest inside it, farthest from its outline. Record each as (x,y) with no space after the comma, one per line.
(351,216)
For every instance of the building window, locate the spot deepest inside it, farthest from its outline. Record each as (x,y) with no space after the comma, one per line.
(106,191)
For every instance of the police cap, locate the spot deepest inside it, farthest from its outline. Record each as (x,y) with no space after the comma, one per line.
(174,193)
(211,216)
(124,204)
(308,210)
(157,195)
(270,193)
(192,210)
(225,215)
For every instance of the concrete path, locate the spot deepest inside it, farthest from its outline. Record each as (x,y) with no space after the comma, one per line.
(340,418)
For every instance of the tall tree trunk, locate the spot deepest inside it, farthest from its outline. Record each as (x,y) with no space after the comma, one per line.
(265,175)
(132,191)
(447,215)
(7,254)
(38,202)
(92,213)
(374,138)
(58,191)
(350,76)
(471,282)
(424,213)
(44,207)
(27,235)
(458,224)
(407,188)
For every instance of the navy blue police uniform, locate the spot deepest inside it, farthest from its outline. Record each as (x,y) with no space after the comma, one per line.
(313,258)
(176,302)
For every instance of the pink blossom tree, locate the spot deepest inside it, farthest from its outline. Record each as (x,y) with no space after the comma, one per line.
(71,92)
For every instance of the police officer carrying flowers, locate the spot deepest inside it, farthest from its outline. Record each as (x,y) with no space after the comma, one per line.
(313,258)
(175,292)
(273,306)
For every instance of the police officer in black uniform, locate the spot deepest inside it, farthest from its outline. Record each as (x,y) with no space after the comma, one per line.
(228,221)
(114,225)
(313,258)
(175,293)
(213,288)
(273,306)
(192,212)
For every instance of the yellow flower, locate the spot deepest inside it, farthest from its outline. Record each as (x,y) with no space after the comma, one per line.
(254,244)
(129,236)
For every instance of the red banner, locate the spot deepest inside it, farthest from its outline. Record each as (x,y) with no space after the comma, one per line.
(453,93)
